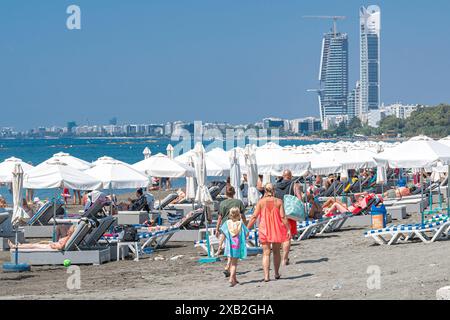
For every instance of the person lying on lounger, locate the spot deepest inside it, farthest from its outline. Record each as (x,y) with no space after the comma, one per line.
(334,206)
(45,244)
(398,192)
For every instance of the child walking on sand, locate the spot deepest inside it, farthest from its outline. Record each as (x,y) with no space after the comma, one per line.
(235,235)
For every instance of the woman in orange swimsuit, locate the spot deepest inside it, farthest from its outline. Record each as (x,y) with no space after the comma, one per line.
(273,229)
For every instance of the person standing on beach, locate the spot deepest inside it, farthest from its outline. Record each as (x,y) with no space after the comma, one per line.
(224,211)
(235,233)
(288,187)
(273,229)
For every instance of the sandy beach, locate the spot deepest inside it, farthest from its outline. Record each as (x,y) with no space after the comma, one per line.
(333,266)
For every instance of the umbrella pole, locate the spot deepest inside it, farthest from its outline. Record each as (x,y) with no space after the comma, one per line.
(448,190)
(421,198)
(159,196)
(16,254)
(111,203)
(54,216)
(207,232)
(431,195)
(360,182)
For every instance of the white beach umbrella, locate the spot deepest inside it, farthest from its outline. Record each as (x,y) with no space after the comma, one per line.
(275,161)
(445,141)
(418,152)
(320,164)
(190,183)
(162,166)
(19,213)
(8,166)
(252,174)
(219,156)
(147,153)
(56,174)
(69,160)
(213,168)
(235,175)
(202,195)
(106,159)
(117,175)
(355,159)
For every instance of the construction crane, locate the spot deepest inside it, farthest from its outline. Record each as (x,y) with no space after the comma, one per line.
(335,19)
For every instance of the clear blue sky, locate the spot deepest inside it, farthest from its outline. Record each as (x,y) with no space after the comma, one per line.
(237,61)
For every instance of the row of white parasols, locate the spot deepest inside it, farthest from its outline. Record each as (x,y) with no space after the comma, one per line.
(64,170)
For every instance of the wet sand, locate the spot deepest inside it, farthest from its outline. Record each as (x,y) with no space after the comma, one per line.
(333,266)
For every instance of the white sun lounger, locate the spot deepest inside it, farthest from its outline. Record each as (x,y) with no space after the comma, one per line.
(335,223)
(427,233)
(308,229)
(7,230)
(154,240)
(75,250)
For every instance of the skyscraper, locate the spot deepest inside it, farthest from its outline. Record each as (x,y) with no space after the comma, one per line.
(370,27)
(333,75)
(354,102)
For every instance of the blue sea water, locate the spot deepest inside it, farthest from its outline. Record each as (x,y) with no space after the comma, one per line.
(129,150)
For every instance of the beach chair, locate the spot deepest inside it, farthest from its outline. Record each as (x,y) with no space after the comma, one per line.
(166,201)
(3,217)
(45,213)
(154,240)
(427,233)
(157,239)
(330,191)
(95,210)
(335,223)
(102,226)
(308,229)
(185,223)
(76,250)
(360,185)
(215,188)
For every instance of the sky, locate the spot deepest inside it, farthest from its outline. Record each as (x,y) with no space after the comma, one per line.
(237,61)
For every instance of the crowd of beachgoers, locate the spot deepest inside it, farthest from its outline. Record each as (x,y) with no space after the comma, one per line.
(261,202)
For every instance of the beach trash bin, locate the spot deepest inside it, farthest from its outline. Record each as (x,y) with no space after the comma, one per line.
(378,215)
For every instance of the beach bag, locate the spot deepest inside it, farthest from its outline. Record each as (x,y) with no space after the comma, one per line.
(129,234)
(293,208)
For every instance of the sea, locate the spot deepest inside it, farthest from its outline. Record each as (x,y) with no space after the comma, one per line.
(129,150)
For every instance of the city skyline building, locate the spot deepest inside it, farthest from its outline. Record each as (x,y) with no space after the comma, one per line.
(370,33)
(333,75)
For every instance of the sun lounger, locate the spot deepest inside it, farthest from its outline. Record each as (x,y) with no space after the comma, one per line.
(3,217)
(308,229)
(155,240)
(45,213)
(331,189)
(104,224)
(76,250)
(335,223)
(166,201)
(427,233)
(7,230)
(413,205)
(185,222)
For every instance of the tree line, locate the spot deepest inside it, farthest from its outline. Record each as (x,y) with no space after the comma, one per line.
(430,121)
